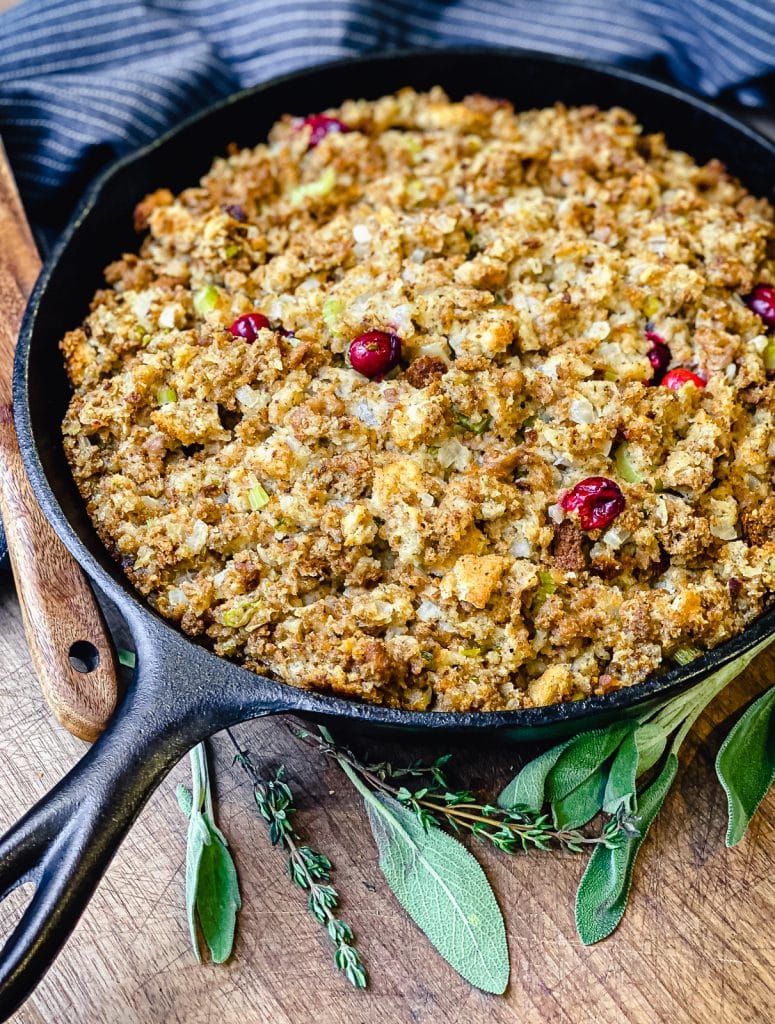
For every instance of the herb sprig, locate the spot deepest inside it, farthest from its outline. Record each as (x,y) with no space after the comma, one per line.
(308,869)
(438,803)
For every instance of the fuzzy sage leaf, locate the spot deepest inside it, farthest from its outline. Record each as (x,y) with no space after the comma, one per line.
(650,741)
(620,785)
(581,804)
(528,788)
(584,759)
(746,764)
(444,890)
(440,885)
(212,888)
(602,895)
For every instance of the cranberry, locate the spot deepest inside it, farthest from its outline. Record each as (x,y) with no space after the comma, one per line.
(321,125)
(659,356)
(248,326)
(598,502)
(675,379)
(375,353)
(762,302)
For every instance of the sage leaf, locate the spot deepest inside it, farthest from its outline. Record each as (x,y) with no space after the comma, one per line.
(218,896)
(745,764)
(527,790)
(602,895)
(444,890)
(212,887)
(620,786)
(185,799)
(198,838)
(650,740)
(582,803)
(586,754)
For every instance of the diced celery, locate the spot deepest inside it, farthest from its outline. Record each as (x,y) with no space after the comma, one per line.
(683,655)
(257,497)
(166,396)
(332,313)
(651,306)
(321,187)
(206,299)
(546,586)
(625,466)
(231,251)
(471,652)
(126,658)
(240,614)
(769,356)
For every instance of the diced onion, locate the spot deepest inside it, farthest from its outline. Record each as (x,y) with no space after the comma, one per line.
(247,397)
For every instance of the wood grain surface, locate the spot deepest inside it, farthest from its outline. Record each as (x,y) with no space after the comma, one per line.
(57,603)
(695,947)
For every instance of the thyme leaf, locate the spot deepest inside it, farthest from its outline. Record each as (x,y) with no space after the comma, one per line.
(307,868)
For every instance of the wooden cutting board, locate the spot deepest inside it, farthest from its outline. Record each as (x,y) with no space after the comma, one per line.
(695,947)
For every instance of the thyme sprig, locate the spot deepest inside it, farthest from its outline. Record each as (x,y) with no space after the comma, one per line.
(308,869)
(438,803)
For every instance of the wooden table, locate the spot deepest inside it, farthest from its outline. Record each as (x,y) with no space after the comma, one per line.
(696,944)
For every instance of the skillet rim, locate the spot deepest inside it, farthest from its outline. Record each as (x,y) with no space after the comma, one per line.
(285,697)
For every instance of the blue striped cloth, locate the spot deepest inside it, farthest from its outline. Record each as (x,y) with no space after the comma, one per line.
(83,81)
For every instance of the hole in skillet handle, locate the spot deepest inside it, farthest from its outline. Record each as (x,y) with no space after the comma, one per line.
(84,656)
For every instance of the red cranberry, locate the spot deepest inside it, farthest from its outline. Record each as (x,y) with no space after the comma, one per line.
(598,502)
(659,356)
(248,326)
(321,125)
(375,353)
(762,302)
(675,379)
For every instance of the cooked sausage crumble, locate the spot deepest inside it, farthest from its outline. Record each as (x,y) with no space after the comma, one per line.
(530,506)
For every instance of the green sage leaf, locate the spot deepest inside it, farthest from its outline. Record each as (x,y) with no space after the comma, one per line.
(527,790)
(746,764)
(212,887)
(218,896)
(650,740)
(620,786)
(198,838)
(602,895)
(582,803)
(444,890)
(586,754)
(185,799)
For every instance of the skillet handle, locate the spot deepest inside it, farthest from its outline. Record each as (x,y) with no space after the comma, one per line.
(66,841)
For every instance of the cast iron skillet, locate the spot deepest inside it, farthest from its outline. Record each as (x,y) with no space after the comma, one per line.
(181,692)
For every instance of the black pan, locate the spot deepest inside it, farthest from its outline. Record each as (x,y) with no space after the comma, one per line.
(181,692)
